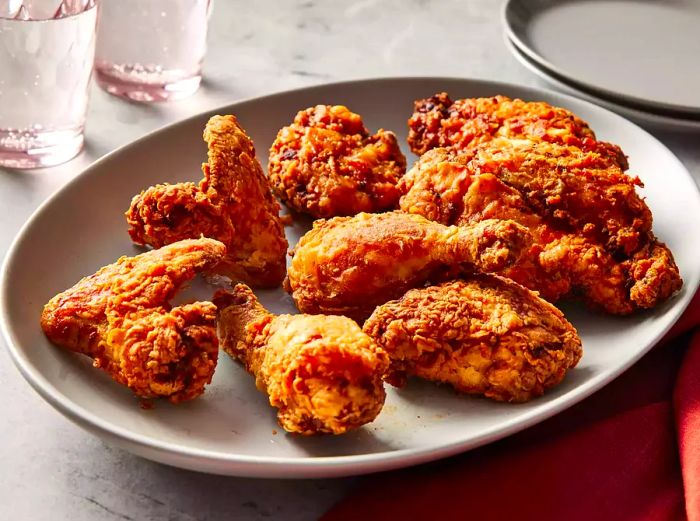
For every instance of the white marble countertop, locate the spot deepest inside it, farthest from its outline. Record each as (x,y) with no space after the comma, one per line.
(52,470)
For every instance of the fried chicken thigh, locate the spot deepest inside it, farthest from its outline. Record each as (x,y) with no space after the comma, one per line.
(322,372)
(591,231)
(440,122)
(483,335)
(327,164)
(120,317)
(349,265)
(232,203)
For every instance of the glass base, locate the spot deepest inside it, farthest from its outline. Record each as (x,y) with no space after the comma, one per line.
(36,149)
(135,90)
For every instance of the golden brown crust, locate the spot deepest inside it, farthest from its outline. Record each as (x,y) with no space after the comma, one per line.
(349,265)
(440,122)
(582,190)
(322,373)
(484,335)
(120,317)
(582,219)
(327,164)
(232,203)
(653,275)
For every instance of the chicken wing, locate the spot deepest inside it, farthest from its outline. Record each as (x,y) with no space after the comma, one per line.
(326,164)
(440,122)
(322,372)
(483,335)
(232,203)
(580,252)
(121,318)
(349,265)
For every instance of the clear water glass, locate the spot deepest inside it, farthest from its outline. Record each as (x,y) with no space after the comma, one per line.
(47,50)
(151,50)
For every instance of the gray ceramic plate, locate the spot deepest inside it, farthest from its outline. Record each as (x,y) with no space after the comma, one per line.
(230,429)
(656,120)
(638,52)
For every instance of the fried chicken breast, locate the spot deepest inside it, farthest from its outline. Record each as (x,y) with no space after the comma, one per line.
(439,121)
(326,163)
(349,265)
(591,231)
(584,190)
(483,335)
(232,203)
(121,318)
(322,373)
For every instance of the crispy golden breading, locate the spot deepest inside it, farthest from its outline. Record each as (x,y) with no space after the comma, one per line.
(349,265)
(232,203)
(121,318)
(582,220)
(484,335)
(440,122)
(327,164)
(322,372)
(584,190)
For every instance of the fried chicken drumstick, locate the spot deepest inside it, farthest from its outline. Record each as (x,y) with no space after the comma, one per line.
(232,203)
(440,122)
(120,317)
(327,164)
(591,231)
(322,372)
(349,265)
(484,335)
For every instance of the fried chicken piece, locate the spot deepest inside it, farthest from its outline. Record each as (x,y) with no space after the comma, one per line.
(585,190)
(322,372)
(349,265)
(440,122)
(120,317)
(483,335)
(326,164)
(232,203)
(449,187)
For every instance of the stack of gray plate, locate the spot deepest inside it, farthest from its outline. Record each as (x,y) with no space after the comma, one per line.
(640,58)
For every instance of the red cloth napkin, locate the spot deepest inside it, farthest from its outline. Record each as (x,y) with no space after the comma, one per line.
(629,452)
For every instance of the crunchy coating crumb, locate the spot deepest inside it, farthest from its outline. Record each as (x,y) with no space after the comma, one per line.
(591,231)
(483,335)
(326,164)
(233,203)
(322,373)
(440,122)
(120,317)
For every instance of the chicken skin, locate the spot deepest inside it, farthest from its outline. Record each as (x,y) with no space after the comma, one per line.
(440,122)
(322,373)
(349,265)
(483,335)
(591,232)
(121,318)
(232,203)
(326,164)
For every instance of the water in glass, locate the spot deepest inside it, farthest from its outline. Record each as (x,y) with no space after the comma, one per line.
(46,55)
(151,50)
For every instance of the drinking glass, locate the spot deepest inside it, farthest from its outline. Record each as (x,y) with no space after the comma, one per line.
(151,50)
(47,49)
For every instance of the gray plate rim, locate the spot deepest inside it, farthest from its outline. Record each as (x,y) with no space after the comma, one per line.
(642,116)
(515,31)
